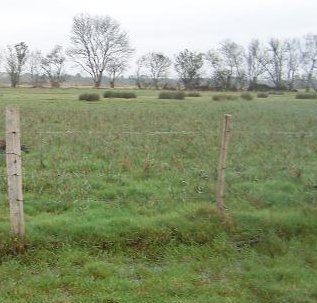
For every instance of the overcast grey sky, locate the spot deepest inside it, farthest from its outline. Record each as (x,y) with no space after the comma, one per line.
(164,25)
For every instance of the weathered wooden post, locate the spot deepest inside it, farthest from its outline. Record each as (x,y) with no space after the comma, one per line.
(222,162)
(14,170)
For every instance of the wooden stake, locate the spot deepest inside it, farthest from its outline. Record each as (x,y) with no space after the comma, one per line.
(14,171)
(222,162)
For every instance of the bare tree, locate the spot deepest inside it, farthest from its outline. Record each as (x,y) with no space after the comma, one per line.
(137,75)
(37,78)
(15,61)
(233,58)
(220,75)
(188,65)
(274,62)
(141,78)
(254,57)
(95,42)
(53,66)
(156,65)
(227,64)
(309,59)
(292,62)
(115,67)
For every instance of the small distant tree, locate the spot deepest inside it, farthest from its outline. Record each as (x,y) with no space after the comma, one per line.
(255,69)
(156,65)
(53,66)
(115,67)
(188,65)
(15,61)
(96,41)
(37,78)
(233,59)
(292,62)
(274,62)
(309,59)
(137,76)
(220,76)
(227,65)
(141,78)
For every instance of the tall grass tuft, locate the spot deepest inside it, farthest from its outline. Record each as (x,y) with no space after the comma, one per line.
(172,95)
(120,95)
(89,97)
(194,94)
(276,92)
(306,96)
(262,95)
(224,97)
(246,96)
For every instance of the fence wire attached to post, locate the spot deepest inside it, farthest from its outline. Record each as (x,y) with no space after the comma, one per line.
(222,162)
(14,170)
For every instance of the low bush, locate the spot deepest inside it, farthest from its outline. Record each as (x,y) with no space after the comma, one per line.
(172,95)
(262,95)
(276,92)
(224,97)
(122,95)
(194,94)
(246,96)
(260,87)
(89,97)
(306,96)
(82,97)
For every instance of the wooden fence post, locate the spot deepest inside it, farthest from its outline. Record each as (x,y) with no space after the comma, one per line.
(14,170)
(222,162)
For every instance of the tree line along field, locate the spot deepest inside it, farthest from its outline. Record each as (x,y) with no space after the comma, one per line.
(119,199)
(101,50)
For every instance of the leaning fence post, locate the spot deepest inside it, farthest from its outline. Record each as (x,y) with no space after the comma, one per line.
(14,170)
(222,162)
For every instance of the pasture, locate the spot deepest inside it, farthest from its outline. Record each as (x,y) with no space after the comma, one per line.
(119,199)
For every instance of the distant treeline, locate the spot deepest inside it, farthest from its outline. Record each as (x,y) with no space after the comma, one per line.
(101,49)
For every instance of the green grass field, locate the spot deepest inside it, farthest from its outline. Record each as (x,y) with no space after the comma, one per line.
(119,199)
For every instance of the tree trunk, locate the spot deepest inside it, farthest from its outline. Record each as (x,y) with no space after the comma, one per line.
(55,84)
(138,84)
(97,80)
(228,84)
(308,82)
(291,83)
(155,82)
(14,80)
(253,83)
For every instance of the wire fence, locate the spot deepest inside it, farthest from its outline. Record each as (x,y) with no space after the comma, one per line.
(182,132)
(56,175)
(305,134)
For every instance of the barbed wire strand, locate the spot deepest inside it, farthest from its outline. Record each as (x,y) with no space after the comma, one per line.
(183,132)
(78,174)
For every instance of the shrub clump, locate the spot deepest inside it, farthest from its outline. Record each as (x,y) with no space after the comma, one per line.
(276,92)
(224,97)
(262,95)
(172,95)
(194,94)
(122,95)
(89,97)
(246,96)
(306,96)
